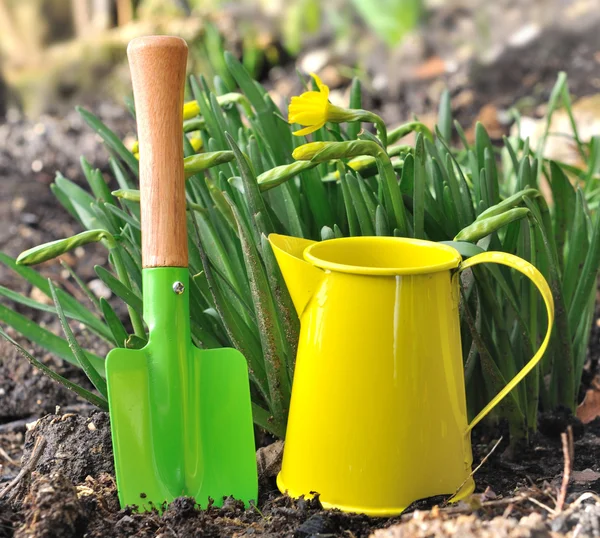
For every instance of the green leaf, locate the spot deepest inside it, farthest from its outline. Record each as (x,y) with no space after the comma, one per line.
(565,201)
(354,127)
(81,201)
(266,120)
(80,391)
(64,201)
(70,303)
(114,323)
(419,189)
(239,333)
(269,327)
(112,141)
(588,275)
(119,289)
(390,19)
(91,372)
(381,224)
(578,248)
(360,207)
(255,200)
(18,298)
(45,339)
(445,116)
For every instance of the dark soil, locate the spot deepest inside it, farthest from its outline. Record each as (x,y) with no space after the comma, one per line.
(71,492)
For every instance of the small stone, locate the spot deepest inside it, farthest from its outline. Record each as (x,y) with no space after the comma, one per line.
(29,218)
(585,476)
(39,128)
(92,427)
(314,61)
(37,165)
(30,425)
(99,289)
(39,296)
(18,203)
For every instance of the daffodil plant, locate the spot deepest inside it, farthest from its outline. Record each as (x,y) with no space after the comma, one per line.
(247,176)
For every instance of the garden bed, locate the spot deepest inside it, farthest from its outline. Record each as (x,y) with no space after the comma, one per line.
(71,490)
(67,487)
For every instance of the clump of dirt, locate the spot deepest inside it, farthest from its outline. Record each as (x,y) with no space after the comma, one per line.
(42,519)
(76,446)
(468,526)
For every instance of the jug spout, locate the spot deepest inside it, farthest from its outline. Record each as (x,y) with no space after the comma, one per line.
(301,278)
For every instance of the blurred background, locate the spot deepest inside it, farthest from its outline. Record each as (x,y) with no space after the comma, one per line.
(496,58)
(57,53)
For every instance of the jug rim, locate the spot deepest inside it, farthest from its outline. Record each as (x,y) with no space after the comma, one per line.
(451,261)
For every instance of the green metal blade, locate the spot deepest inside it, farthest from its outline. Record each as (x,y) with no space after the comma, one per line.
(181,417)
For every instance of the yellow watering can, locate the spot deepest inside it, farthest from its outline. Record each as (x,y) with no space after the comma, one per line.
(378,415)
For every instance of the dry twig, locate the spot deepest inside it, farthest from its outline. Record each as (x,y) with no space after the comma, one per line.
(485,458)
(38,448)
(568,453)
(7,457)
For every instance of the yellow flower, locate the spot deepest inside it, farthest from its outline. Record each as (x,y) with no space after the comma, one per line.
(311,109)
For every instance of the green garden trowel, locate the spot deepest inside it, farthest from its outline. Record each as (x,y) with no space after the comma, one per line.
(181,417)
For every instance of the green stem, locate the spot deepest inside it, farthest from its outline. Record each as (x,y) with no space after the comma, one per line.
(340,115)
(136,320)
(406,128)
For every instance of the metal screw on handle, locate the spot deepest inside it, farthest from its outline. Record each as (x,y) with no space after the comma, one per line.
(178,287)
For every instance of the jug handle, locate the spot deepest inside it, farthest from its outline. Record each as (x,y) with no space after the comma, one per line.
(536,277)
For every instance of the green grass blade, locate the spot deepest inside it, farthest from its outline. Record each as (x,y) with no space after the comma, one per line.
(114,323)
(445,116)
(18,298)
(419,189)
(69,302)
(119,289)
(269,327)
(354,127)
(97,380)
(112,141)
(362,213)
(80,391)
(45,339)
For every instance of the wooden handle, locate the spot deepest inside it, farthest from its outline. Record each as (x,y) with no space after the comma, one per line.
(158,66)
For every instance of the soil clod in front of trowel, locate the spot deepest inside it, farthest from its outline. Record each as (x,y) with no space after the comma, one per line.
(76,446)
(51,509)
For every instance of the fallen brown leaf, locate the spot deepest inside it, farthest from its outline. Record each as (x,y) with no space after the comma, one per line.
(586,476)
(589,409)
(431,68)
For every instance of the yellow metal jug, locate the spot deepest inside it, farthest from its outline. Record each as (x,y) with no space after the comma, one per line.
(378,414)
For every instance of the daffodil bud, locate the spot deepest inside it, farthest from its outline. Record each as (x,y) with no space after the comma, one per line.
(509,203)
(132,195)
(49,251)
(280,174)
(325,151)
(482,228)
(196,143)
(196,163)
